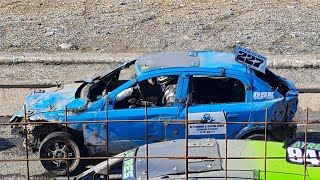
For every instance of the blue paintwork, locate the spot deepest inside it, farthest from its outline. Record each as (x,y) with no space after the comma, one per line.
(49,106)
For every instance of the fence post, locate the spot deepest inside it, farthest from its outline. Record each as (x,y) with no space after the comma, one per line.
(305,144)
(265,143)
(187,140)
(67,149)
(107,136)
(147,138)
(26,138)
(226,146)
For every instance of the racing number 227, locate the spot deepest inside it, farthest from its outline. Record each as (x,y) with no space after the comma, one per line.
(249,59)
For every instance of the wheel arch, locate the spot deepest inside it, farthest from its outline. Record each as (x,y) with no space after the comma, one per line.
(251,131)
(42,131)
(257,133)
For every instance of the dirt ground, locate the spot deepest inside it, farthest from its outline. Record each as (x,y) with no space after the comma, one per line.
(272,27)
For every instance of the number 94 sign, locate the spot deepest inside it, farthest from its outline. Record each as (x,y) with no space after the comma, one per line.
(296,153)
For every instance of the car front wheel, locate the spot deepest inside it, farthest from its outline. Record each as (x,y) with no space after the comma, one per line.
(55,148)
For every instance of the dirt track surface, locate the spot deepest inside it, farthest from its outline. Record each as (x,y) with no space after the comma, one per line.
(272,27)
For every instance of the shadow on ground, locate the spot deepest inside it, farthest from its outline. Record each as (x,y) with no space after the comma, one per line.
(46,174)
(311,136)
(12,176)
(5,144)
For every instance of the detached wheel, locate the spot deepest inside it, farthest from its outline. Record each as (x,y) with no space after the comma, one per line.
(59,145)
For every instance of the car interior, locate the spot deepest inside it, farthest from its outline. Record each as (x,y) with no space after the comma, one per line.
(147,91)
(210,90)
(273,81)
(202,90)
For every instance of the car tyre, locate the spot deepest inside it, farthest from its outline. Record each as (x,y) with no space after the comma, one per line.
(258,136)
(60,145)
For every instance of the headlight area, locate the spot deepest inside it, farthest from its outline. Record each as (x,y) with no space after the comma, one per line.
(26,130)
(35,132)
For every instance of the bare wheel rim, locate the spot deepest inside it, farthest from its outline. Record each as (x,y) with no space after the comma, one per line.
(58,150)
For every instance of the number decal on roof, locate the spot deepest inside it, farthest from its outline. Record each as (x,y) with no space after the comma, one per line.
(251,59)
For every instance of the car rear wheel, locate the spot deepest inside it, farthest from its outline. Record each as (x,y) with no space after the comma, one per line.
(58,146)
(258,136)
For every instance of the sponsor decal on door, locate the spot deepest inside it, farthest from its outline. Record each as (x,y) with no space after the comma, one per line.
(210,123)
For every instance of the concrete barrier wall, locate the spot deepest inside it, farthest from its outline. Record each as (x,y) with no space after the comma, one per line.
(278,27)
(47,68)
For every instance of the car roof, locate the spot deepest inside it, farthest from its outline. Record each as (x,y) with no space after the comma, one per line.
(187,59)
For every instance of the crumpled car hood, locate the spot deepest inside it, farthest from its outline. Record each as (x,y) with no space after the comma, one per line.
(52,99)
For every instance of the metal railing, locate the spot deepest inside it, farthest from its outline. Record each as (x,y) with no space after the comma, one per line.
(38,86)
(186,157)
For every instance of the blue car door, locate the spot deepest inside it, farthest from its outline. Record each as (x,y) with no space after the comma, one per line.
(215,99)
(127,128)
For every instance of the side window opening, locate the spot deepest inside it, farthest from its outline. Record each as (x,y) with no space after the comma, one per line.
(273,81)
(156,92)
(210,90)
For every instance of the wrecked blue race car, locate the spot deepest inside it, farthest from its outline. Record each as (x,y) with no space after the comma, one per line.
(211,87)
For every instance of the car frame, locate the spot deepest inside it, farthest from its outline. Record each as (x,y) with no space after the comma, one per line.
(98,125)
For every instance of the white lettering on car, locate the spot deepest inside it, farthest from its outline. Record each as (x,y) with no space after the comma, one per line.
(263,95)
(207,128)
(296,155)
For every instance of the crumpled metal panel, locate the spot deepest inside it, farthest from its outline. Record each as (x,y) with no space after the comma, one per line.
(95,134)
(197,148)
(50,104)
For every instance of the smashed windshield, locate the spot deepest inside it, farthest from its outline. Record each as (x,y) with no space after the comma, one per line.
(105,84)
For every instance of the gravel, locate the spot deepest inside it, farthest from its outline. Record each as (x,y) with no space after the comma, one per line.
(272,27)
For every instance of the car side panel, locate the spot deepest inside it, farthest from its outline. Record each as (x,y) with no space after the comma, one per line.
(132,131)
(234,112)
